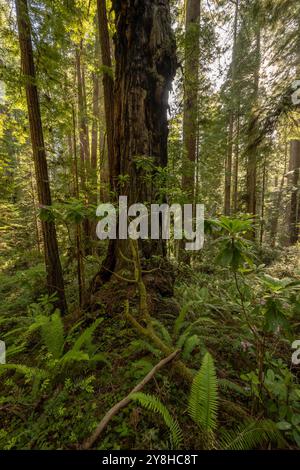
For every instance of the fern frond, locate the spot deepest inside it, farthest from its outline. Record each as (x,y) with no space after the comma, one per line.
(203,321)
(162,331)
(30,373)
(143,345)
(142,366)
(181,317)
(35,326)
(52,332)
(182,339)
(74,356)
(250,436)
(190,344)
(226,384)
(100,357)
(203,400)
(152,403)
(197,327)
(85,339)
(14,332)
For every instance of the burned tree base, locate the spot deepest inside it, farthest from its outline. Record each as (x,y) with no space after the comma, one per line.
(159,286)
(129,270)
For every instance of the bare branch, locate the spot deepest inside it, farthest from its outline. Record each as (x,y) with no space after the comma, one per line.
(123,403)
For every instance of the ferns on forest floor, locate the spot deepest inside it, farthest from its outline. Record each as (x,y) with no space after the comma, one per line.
(202,407)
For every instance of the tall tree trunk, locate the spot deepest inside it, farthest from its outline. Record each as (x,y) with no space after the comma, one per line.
(78,228)
(278,198)
(232,112)
(236,162)
(191,84)
(83,141)
(252,132)
(263,194)
(190,108)
(95,125)
(145,66)
(82,118)
(55,281)
(294,169)
(108,88)
(228,166)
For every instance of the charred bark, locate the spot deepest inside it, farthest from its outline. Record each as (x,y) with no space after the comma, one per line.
(145,66)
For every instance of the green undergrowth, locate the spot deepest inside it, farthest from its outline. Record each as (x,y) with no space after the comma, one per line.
(58,386)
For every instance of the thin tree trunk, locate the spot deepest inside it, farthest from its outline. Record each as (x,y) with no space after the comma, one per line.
(232,113)
(228,166)
(191,84)
(82,121)
(104,169)
(294,219)
(252,134)
(95,126)
(190,109)
(83,141)
(262,212)
(236,163)
(278,199)
(95,137)
(55,281)
(78,229)
(108,88)
(294,169)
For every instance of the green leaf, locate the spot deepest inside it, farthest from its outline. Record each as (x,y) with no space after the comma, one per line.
(283,425)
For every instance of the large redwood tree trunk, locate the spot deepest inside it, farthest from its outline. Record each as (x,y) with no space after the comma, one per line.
(145,54)
(55,281)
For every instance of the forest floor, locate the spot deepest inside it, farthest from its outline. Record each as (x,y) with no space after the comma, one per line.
(62,408)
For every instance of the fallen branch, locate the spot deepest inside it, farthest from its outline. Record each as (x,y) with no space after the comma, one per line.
(123,403)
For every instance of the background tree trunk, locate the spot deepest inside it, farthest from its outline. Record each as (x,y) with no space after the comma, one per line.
(82,118)
(83,142)
(294,168)
(95,125)
(253,131)
(191,84)
(232,117)
(236,163)
(55,281)
(278,198)
(108,88)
